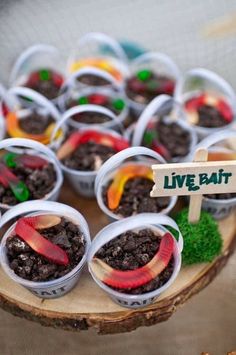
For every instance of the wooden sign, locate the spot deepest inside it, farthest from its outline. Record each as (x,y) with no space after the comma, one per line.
(194,179)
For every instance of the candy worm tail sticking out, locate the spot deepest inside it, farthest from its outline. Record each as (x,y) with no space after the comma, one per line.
(221,156)
(8,179)
(114,192)
(140,276)
(29,161)
(25,229)
(97,63)
(192,105)
(14,130)
(78,138)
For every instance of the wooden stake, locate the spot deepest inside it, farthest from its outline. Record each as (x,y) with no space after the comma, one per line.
(195,203)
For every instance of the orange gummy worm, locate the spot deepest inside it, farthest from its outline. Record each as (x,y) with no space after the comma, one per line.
(14,130)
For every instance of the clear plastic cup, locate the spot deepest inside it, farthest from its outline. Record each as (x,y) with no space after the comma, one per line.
(82,181)
(40,103)
(218,208)
(113,123)
(91,46)
(108,92)
(163,105)
(22,145)
(158,223)
(113,164)
(199,80)
(58,287)
(74,80)
(157,62)
(36,57)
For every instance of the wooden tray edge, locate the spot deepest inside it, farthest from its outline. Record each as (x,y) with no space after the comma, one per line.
(124,321)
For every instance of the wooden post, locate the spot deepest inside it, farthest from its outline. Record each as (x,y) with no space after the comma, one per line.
(195,203)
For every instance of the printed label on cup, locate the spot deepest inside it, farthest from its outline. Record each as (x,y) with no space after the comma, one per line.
(219,209)
(134,303)
(84,185)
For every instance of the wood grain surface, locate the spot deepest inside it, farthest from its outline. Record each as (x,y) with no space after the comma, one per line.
(88,306)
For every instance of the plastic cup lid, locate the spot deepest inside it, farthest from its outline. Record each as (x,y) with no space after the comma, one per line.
(202,77)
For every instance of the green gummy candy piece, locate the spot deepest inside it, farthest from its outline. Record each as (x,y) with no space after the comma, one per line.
(118,104)
(9,160)
(83,100)
(144,75)
(149,137)
(26,98)
(20,191)
(44,75)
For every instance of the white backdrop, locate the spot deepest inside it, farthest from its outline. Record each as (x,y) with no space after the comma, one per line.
(172,26)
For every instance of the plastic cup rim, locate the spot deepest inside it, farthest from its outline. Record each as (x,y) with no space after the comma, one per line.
(33,284)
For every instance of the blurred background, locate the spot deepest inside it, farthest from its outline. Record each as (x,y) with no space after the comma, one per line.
(187,30)
(193,33)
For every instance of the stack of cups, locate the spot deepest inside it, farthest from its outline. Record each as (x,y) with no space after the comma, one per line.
(58,287)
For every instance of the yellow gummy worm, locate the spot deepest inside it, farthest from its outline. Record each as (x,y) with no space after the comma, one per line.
(116,188)
(14,130)
(97,63)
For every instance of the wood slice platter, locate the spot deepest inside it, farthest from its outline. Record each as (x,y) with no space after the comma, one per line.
(87,306)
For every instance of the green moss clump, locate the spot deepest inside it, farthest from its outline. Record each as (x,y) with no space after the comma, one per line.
(202,241)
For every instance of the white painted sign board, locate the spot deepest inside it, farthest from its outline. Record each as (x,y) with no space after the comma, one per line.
(194,179)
